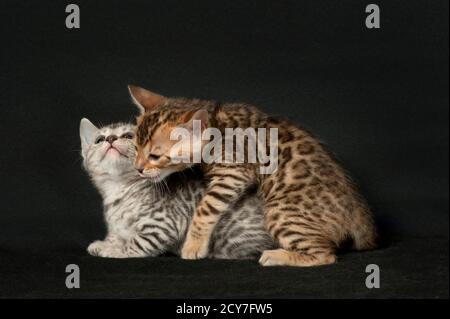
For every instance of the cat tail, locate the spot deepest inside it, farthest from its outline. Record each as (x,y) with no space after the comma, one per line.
(365,235)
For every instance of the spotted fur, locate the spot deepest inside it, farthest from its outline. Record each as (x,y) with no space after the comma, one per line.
(311,207)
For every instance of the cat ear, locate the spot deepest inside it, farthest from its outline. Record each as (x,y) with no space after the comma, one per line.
(198,115)
(144,99)
(88,132)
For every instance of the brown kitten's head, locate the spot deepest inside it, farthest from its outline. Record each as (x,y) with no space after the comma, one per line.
(160,116)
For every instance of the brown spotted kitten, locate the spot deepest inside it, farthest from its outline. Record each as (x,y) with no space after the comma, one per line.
(311,206)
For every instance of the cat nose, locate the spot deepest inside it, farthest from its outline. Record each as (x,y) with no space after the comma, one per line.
(139,167)
(110,139)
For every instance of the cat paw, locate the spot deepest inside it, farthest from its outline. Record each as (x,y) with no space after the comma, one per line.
(194,249)
(282,257)
(112,252)
(106,249)
(96,247)
(275,257)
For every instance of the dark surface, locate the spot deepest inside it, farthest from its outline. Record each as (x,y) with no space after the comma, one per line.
(378,98)
(417,268)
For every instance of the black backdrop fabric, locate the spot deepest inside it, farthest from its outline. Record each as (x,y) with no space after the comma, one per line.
(378,98)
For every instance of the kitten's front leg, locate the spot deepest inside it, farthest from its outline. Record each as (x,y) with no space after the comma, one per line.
(115,249)
(227,184)
(125,251)
(140,245)
(197,239)
(97,247)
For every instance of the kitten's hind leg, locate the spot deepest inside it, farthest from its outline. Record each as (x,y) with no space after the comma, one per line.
(283,257)
(302,238)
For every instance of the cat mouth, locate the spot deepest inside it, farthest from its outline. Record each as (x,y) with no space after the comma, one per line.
(113,149)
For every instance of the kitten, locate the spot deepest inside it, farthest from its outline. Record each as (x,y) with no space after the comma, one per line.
(311,207)
(148,219)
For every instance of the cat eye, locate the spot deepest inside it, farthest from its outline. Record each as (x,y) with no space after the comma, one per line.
(99,139)
(154,157)
(127,135)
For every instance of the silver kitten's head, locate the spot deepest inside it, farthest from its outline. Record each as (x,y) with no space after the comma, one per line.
(107,151)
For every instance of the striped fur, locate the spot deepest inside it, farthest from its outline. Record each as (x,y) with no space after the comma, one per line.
(148,219)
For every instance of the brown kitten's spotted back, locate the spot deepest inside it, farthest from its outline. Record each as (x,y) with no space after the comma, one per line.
(311,206)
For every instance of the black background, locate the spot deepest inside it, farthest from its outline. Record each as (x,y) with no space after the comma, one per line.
(378,98)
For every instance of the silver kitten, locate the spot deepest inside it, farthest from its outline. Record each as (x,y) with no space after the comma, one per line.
(148,219)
